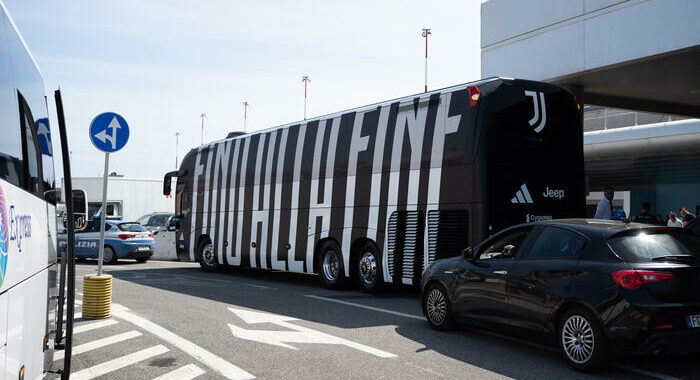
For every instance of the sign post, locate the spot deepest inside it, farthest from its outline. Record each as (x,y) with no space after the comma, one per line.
(108,133)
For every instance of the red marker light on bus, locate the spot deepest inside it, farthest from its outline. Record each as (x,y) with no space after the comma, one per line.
(474,94)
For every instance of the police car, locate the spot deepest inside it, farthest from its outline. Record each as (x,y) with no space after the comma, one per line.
(123,240)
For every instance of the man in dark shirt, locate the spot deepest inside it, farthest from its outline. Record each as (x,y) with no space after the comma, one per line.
(645,216)
(687,217)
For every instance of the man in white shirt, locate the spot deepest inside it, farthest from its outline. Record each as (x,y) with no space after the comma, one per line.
(673,221)
(605,209)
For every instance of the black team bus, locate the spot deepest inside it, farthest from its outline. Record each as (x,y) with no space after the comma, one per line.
(375,194)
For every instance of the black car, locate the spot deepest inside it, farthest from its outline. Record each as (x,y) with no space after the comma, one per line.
(694,226)
(592,287)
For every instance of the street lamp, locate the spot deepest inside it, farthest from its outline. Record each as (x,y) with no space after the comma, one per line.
(245,115)
(203,115)
(426,33)
(177,135)
(306,81)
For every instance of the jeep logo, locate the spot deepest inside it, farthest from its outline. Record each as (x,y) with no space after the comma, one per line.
(552,193)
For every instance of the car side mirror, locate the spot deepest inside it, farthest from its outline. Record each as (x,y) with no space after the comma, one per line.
(468,254)
(174,224)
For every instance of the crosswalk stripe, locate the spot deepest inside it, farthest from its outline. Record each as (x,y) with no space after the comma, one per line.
(187,372)
(94,325)
(118,363)
(95,344)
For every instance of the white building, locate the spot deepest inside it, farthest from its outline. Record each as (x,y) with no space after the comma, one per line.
(127,198)
(641,55)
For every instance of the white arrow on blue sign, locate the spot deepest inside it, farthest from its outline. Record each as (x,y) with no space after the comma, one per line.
(109,132)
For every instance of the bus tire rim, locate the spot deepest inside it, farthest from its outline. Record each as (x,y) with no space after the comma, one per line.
(330,265)
(578,339)
(436,306)
(368,268)
(208,255)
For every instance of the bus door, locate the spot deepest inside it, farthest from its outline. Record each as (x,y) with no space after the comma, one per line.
(535,154)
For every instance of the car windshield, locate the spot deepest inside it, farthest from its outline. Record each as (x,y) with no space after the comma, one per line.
(651,245)
(157,220)
(131,227)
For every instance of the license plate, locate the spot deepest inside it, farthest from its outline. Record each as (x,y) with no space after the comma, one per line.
(693,321)
(148,249)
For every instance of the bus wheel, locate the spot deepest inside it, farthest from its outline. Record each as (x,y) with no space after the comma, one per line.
(369,268)
(207,256)
(109,257)
(330,268)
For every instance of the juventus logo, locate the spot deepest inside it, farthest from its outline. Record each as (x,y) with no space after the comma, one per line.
(536,101)
(522,196)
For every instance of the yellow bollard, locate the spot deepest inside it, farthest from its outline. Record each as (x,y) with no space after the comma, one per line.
(97,296)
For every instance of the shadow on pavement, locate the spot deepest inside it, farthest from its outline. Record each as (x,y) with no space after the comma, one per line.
(285,293)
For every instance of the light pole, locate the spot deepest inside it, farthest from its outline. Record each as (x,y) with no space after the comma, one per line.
(203,115)
(177,135)
(306,81)
(245,116)
(426,33)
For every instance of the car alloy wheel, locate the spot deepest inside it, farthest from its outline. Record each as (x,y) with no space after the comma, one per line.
(578,339)
(436,306)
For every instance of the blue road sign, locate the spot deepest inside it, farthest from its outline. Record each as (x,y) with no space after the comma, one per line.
(44,134)
(109,132)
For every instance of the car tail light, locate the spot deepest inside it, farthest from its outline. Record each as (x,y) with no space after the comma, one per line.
(126,236)
(150,235)
(474,94)
(634,279)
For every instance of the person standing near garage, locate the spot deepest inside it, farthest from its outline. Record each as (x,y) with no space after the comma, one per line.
(605,207)
(645,216)
(687,216)
(673,221)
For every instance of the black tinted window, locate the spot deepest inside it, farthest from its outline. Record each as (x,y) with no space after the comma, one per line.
(504,246)
(556,242)
(648,246)
(33,181)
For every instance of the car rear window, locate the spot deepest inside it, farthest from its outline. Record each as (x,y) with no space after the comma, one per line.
(131,227)
(650,245)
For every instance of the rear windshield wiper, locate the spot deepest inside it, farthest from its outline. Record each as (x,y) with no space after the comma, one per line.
(675,257)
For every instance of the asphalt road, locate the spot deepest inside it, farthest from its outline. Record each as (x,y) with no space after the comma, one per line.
(173,320)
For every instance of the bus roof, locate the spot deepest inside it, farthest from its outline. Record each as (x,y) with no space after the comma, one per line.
(361,108)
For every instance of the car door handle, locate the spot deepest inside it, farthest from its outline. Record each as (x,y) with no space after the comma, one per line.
(500,272)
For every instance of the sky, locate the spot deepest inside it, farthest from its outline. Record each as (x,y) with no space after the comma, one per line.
(161,64)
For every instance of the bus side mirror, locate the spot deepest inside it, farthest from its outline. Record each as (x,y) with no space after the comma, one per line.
(168,180)
(80,210)
(468,254)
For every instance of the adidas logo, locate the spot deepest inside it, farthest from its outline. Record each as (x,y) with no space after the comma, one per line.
(522,196)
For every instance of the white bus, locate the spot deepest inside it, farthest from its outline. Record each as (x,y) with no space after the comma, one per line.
(28,263)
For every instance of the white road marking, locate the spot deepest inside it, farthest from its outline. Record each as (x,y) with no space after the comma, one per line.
(257,286)
(644,372)
(298,334)
(94,325)
(187,372)
(405,315)
(207,358)
(76,315)
(118,363)
(95,344)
